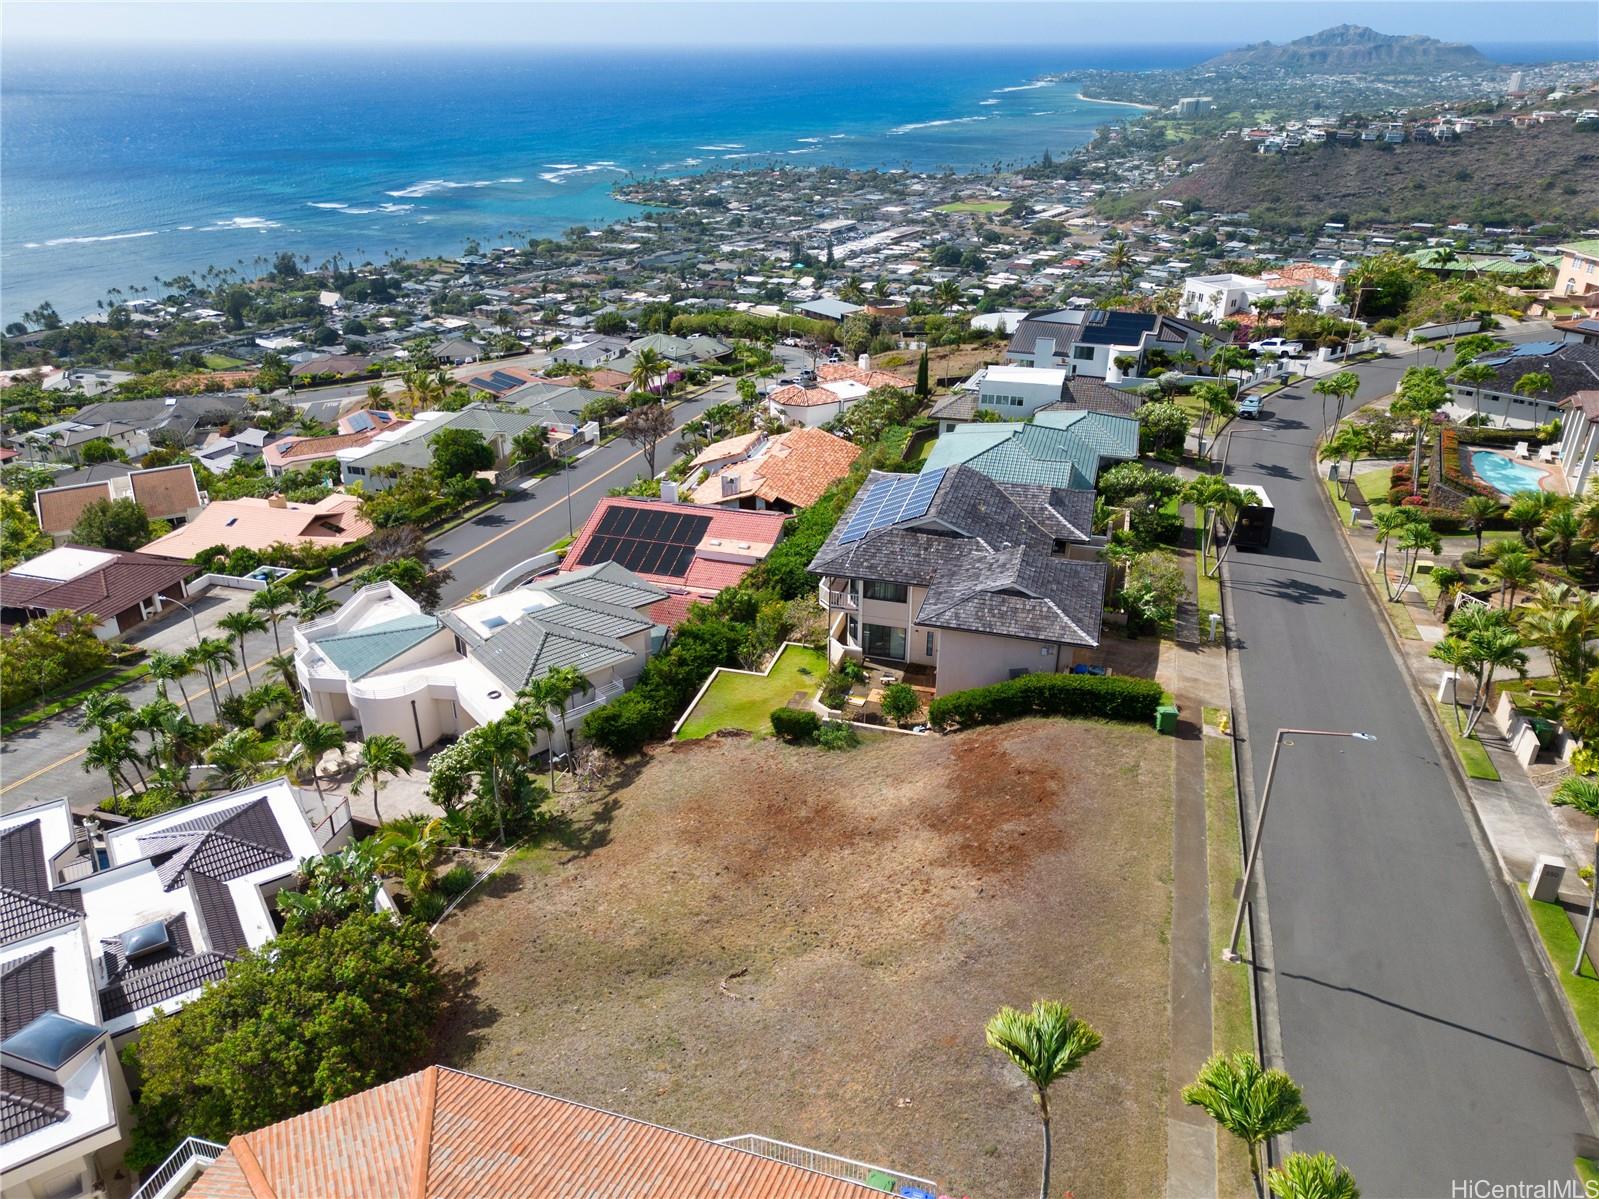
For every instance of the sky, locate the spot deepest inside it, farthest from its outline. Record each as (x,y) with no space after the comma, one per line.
(841,23)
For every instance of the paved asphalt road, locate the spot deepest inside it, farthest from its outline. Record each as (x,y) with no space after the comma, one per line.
(1405,1007)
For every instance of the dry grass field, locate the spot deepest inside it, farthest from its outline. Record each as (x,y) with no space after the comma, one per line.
(755,937)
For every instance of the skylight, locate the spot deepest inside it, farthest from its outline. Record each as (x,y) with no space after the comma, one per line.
(44,1047)
(145,940)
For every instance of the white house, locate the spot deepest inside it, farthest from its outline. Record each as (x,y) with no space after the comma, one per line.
(382,665)
(96,932)
(1016,392)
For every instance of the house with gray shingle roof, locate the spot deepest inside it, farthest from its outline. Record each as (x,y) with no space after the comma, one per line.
(973,579)
(407,444)
(382,665)
(96,933)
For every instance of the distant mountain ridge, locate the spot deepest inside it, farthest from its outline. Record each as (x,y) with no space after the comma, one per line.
(1354,48)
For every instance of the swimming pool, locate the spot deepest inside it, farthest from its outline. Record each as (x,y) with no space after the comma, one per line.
(1504,475)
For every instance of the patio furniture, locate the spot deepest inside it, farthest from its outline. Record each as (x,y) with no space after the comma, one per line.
(1547,454)
(1521,449)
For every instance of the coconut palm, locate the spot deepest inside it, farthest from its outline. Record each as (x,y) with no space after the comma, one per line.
(1235,499)
(384,754)
(1341,387)
(1248,1100)
(503,743)
(649,372)
(241,624)
(1474,375)
(1045,1044)
(1119,262)
(172,668)
(1228,359)
(1311,1176)
(1413,538)
(1513,570)
(312,738)
(852,291)
(311,602)
(1581,793)
(1476,512)
(1214,404)
(112,750)
(271,601)
(946,293)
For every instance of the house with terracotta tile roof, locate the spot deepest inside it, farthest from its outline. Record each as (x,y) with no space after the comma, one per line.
(122,588)
(167,493)
(445,1134)
(356,429)
(255,523)
(98,930)
(690,551)
(782,473)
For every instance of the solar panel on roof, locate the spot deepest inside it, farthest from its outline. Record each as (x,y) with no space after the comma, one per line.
(647,541)
(1535,349)
(890,501)
(359,422)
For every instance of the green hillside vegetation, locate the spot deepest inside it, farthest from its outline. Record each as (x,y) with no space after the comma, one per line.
(1545,174)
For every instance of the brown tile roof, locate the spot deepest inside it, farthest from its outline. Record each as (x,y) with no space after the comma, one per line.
(442,1134)
(794,468)
(257,523)
(166,490)
(58,508)
(832,372)
(120,584)
(795,396)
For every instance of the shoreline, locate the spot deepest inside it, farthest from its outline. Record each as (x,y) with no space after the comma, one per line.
(1117,103)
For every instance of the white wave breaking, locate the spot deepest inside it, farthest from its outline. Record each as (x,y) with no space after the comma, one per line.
(244,222)
(431,187)
(722,146)
(562,172)
(84,241)
(914,125)
(325,204)
(1027,87)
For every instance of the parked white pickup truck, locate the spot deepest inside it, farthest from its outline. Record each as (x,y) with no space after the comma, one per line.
(1277,345)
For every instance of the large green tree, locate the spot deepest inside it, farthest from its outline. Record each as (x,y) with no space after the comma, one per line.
(458,453)
(20,537)
(300,1023)
(113,525)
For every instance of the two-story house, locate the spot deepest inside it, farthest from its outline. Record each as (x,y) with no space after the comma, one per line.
(973,580)
(1087,341)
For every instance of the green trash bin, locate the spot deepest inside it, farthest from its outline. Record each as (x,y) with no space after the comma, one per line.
(1166,719)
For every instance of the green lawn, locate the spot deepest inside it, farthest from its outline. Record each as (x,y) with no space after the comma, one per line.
(744,701)
(1232,1019)
(1473,756)
(1373,485)
(221,362)
(1209,597)
(1560,940)
(976,206)
(1403,624)
(1337,492)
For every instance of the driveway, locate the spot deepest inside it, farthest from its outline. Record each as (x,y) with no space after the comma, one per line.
(1401,978)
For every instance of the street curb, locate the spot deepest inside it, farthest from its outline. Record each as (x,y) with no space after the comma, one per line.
(1551,996)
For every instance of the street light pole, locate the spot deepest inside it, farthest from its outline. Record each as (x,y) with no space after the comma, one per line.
(167,599)
(1230,954)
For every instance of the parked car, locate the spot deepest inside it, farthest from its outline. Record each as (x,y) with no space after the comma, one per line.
(1277,345)
(1249,408)
(807,378)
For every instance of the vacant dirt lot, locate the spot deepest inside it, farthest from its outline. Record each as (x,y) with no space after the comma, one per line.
(758,937)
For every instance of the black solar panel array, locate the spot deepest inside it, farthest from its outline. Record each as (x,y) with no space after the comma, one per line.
(645,541)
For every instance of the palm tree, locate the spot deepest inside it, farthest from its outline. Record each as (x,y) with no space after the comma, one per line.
(1514,570)
(240,755)
(1248,1100)
(1476,512)
(1574,791)
(503,743)
(1214,403)
(1229,359)
(555,690)
(1120,263)
(1587,510)
(284,665)
(240,624)
(311,602)
(271,601)
(1561,619)
(1414,537)
(1208,493)
(172,668)
(1455,653)
(312,739)
(109,753)
(946,293)
(852,291)
(103,711)
(211,655)
(1475,374)
(1343,386)
(1045,1044)
(1494,646)
(649,372)
(1559,532)
(1236,499)
(384,754)
(1527,511)
(1312,1176)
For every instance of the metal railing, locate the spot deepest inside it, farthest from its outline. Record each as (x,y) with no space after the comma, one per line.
(831,1164)
(333,823)
(180,1169)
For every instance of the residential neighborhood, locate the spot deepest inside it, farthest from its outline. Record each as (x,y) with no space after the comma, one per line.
(464,711)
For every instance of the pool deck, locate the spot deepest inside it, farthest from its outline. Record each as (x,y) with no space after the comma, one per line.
(1552,478)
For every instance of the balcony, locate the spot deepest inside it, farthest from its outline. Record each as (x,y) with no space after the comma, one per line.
(178,1171)
(836,598)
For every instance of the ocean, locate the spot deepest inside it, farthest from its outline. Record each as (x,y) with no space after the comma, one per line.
(122,172)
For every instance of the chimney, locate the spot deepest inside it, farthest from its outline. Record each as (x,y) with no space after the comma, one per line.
(669,491)
(276,500)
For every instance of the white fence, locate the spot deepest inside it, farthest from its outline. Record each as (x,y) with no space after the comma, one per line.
(1329,354)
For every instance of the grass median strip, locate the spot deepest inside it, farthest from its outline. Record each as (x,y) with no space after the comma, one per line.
(1336,491)
(1232,1020)
(1208,595)
(1473,755)
(1404,626)
(1560,941)
(56,706)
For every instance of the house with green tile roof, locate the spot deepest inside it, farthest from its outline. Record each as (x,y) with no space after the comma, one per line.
(1058,449)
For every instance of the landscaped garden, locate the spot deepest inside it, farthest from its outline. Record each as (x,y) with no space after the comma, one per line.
(736,700)
(806,945)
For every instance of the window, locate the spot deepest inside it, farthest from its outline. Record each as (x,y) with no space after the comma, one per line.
(929,653)
(892,593)
(883,641)
(355,470)
(1083,353)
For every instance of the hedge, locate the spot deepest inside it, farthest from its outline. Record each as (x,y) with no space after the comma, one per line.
(1108,697)
(795,724)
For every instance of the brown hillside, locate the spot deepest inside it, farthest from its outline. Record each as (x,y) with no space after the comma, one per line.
(1498,176)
